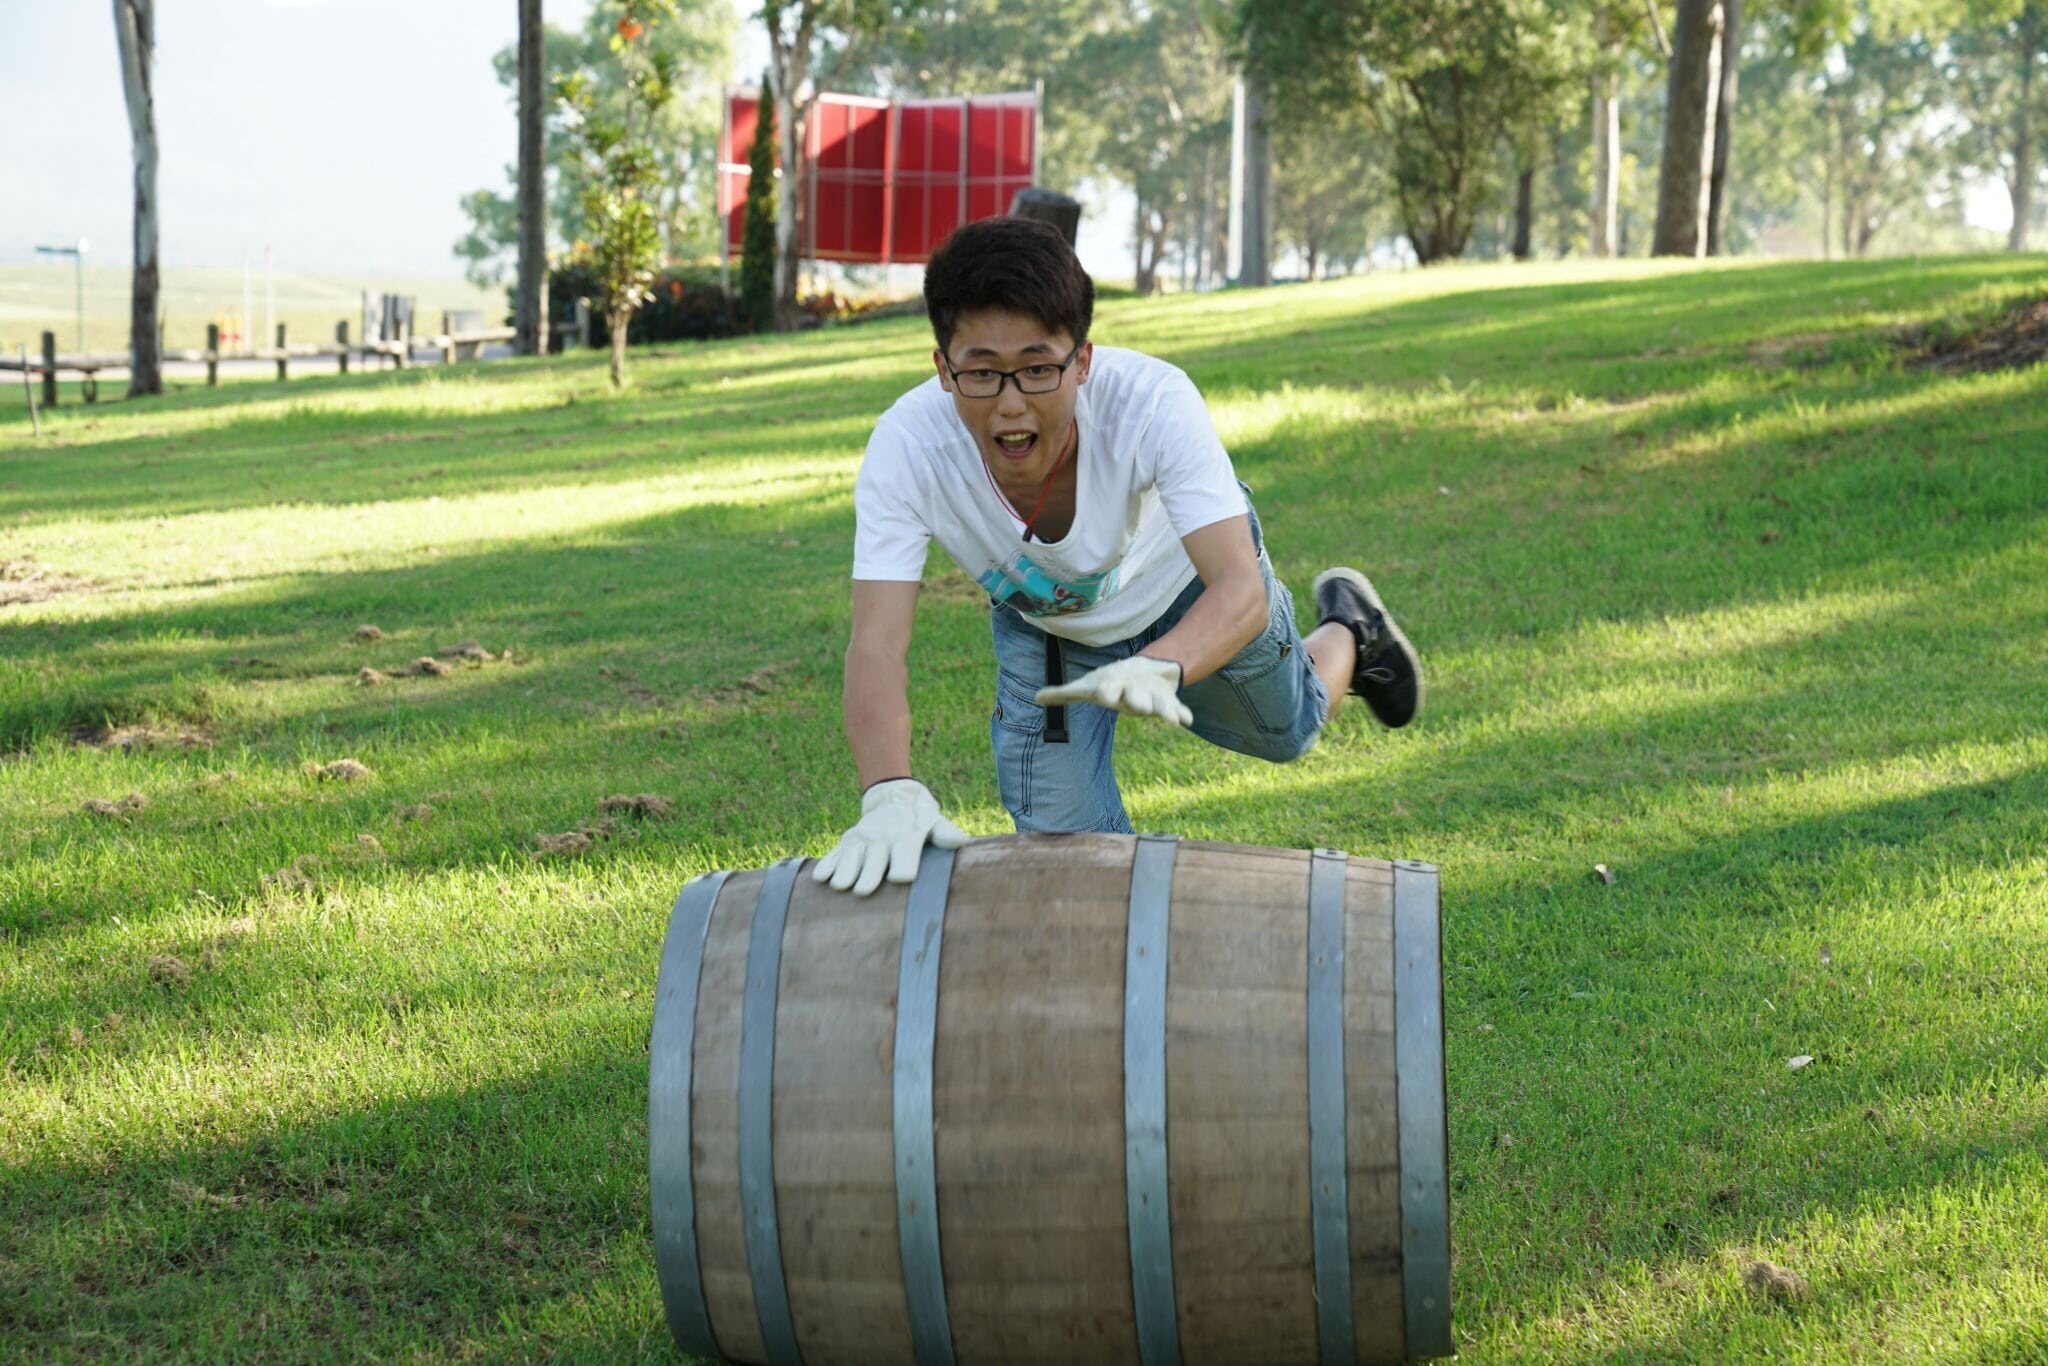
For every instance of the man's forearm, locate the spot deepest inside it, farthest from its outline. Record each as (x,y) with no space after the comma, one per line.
(1219,623)
(876,705)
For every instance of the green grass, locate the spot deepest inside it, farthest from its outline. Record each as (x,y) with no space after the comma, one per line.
(1712,591)
(36,298)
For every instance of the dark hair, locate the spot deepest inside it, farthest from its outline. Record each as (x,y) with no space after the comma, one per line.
(1020,265)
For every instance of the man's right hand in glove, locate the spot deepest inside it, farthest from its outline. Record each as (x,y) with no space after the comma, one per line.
(897,818)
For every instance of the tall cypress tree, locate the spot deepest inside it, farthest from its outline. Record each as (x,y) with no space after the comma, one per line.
(757,238)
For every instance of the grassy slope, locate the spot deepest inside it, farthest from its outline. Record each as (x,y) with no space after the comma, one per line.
(35,298)
(1711,591)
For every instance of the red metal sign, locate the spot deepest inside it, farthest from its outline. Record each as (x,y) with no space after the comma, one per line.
(888,180)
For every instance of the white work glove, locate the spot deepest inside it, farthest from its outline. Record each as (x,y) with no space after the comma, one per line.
(1138,686)
(897,817)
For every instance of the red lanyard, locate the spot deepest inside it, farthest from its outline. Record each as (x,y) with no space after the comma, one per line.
(1045,489)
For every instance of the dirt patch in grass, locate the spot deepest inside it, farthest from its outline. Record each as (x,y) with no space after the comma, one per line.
(122,809)
(24,580)
(341,771)
(639,804)
(134,737)
(2012,341)
(366,633)
(759,683)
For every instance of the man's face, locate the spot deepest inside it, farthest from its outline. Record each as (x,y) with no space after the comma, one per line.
(1020,435)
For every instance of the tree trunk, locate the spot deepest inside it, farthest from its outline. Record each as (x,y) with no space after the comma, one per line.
(530,318)
(1251,185)
(788,68)
(1602,239)
(2023,171)
(620,324)
(1724,120)
(135,32)
(1690,111)
(1525,208)
(1141,268)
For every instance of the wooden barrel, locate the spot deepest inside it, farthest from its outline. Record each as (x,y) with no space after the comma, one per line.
(1065,1099)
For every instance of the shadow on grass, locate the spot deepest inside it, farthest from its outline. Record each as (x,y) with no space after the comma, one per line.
(424,1224)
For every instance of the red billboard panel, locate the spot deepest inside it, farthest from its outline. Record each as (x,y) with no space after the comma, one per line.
(887,181)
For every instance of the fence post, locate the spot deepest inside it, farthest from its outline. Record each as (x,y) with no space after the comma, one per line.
(49,369)
(404,353)
(341,340)
(583,323)
(447,338)
(213,355)
(282,363)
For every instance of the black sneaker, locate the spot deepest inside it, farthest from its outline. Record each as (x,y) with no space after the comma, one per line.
(1387,674)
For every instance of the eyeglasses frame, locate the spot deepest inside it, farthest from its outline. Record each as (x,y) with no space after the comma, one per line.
(1006,376)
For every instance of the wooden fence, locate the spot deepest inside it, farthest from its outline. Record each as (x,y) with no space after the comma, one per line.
(453,345)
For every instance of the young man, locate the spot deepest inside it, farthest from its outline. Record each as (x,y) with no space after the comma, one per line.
(1086,490)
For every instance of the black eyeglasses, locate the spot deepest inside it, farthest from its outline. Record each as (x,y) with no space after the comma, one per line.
(981,382)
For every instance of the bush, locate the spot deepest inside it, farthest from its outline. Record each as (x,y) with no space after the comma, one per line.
(686,305)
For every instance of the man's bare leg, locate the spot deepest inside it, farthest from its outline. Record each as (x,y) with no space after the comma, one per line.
(1333,652)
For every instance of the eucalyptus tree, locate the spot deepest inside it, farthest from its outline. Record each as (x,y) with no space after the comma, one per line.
(1997,68)
(1442,81)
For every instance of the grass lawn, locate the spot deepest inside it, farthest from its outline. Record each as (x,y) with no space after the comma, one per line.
(1713,589)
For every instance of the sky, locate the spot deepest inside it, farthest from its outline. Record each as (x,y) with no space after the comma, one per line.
(342,134)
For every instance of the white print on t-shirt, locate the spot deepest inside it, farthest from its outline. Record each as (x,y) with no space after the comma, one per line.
(1150,471)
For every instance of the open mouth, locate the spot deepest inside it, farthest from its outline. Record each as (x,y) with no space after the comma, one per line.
(1016,445)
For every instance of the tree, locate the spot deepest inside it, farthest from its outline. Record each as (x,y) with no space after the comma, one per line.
(757,239)
(1684,183)
(1328,178)
(1443,81)
(621,172)
(135,34)
(1886,147)
(1724,124)
(684,141)
(1997,69)
(531,316)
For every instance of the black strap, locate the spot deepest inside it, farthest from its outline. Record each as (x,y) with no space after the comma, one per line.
(1055,675)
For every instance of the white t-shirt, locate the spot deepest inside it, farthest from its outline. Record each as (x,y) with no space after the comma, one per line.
(1152,470)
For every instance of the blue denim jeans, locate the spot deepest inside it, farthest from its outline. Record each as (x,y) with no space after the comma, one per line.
(1266,702)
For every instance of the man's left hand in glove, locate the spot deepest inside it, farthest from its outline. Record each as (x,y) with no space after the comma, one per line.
(1138,686)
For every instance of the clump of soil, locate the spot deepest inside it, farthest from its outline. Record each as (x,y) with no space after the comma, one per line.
(342,771)
(640,804)
(418,811)
(2012,342)
(370,846)
(609,826)
(169,970)
(24,580)
(426,666)
(366,633)
(1776,1282)
(367,677)
(295,876)
(468,649)
(123,808)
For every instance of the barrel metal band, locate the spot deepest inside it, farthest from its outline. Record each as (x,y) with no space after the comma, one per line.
(1329,1189)
(1145,1101)
(1424,1136)
(917,1192)
(757,1134)
(670,1068)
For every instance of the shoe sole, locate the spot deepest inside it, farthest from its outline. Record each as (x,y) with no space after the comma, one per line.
(1365,588)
